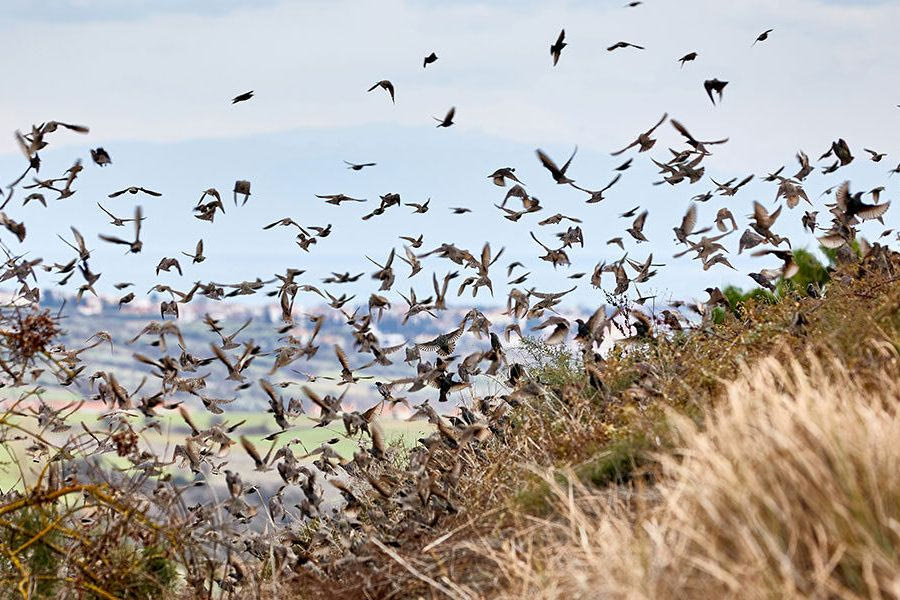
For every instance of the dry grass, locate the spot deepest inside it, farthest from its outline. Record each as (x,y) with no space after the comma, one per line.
(610,439)
(642,479)
(790,490)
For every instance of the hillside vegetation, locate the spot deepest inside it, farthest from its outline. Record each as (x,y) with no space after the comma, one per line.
(748,454)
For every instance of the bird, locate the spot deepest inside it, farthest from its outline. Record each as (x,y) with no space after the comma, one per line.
(445,343)
(384,84)
(637,227)
(197,256)
(134,190)
(597,196)
(116,221)
(619,45)
(242,97)
(134,246)
(876,156)
(100,157)
(447,121)
(336,199)
(557,47)
(852,205)
(429,59)
(689,57)
(358,166)
(419,208)
(762,37)
(558,174)
(241,188)
(714,85)
(643,140)
(789,267)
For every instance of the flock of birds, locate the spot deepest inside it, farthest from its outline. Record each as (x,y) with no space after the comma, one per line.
(434,365)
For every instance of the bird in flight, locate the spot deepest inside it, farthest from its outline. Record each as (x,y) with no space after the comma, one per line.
(558,174)
(619,45)
(556,48)
(762,37)
(242,97)
(689,57)
(714,85)
(358,166)
(447,121)
(385,85)
(134,190)
(429,59)
(134,246)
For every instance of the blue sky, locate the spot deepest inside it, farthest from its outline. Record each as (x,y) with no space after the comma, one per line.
(154,81)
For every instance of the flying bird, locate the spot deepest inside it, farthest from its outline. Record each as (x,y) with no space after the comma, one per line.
(134,190)
(385,85)
(447,121)
(558,174)
(429,59)
(689,57)
(358,166)
(762,37)
(242,97)
(557,47)
(714,85)
(619,45)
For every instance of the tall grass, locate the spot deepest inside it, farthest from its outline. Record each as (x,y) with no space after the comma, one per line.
(790,489)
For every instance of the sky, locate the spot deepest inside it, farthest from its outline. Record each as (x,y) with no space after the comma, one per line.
(154,80)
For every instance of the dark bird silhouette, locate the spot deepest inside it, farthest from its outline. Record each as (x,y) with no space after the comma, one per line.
(100,157)
(557,47)
(714,85)
(852,205)
(762,37)
(242,97)
(359,166)
(558,173)
(134,190)
(689,57)
(385,85)
(429,59)
(447,121)
(619,45)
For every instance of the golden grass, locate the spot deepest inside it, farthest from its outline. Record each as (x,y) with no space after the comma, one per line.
(612,441)
(791,489)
